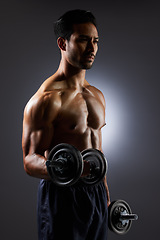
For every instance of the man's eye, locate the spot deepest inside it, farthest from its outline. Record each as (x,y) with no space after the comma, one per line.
(96,41)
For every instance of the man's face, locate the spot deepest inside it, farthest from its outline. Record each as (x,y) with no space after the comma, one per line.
(82,47)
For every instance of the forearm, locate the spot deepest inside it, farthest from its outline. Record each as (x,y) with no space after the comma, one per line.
(35,166)
(107,190)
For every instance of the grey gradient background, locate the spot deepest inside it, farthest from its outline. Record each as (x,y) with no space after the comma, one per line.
(126,70)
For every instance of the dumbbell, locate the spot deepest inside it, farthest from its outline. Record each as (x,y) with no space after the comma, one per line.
(65,165)
(120,217)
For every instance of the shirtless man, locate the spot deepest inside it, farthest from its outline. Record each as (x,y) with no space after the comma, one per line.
(67,109)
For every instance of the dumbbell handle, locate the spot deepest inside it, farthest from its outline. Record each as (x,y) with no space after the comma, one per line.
(128,216)
(60,163)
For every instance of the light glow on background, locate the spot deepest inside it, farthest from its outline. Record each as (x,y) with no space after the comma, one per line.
(116,132)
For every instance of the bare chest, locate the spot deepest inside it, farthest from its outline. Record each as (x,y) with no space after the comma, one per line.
(79,112)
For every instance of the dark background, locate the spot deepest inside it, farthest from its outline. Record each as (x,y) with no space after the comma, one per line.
(127,72)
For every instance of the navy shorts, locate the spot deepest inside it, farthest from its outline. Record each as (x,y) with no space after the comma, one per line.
(77,212)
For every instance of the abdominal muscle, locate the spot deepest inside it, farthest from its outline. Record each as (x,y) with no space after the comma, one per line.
(89,139)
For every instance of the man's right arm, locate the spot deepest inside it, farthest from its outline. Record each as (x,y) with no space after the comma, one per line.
(38,131)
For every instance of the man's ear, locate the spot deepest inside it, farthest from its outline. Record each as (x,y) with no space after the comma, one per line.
(61,43)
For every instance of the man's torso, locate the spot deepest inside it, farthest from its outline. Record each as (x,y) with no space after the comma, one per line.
(79,114)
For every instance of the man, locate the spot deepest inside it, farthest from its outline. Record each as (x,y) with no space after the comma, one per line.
(67,109)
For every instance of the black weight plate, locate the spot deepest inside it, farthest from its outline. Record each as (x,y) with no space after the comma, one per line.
(114,222)
(96,158)
(74,164)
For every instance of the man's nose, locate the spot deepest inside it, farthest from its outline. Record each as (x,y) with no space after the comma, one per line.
(91,46)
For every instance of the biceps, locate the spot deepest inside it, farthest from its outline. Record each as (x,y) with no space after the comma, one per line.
(38,141)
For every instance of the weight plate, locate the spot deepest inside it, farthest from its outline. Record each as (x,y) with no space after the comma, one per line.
(115,223)
(64,164)
(98,164)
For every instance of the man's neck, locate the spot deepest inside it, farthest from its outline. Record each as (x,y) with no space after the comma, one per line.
(74,77)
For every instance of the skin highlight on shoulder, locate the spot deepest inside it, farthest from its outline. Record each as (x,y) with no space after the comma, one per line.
(42,107)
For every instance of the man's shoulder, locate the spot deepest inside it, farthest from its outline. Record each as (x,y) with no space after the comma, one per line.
(93,88)
(46,93)
(96,92)
(44,104)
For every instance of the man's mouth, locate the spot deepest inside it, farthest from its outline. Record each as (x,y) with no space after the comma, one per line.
(90,56)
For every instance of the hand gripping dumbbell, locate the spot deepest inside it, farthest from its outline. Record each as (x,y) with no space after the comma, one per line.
(65,165)
(120,217)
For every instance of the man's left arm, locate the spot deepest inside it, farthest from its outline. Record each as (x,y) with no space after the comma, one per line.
(107,190)
(102,99)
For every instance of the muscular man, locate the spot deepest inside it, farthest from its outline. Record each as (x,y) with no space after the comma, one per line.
(67,109)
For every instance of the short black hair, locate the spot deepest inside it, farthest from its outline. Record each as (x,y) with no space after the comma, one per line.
(63,27)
